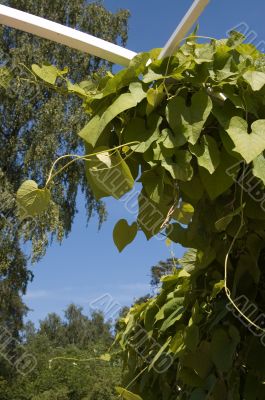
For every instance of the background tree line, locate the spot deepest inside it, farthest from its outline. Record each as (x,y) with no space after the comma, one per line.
(75,336)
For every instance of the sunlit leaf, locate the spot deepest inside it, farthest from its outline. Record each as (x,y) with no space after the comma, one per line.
(256,79)
(249,145)
(109,175)
(48,73)
(126,395)
(31,200)
(124,102)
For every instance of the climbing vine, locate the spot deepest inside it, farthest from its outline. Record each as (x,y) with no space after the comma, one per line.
(191,129)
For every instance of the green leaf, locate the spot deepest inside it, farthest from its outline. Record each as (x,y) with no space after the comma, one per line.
(217,288)
(198,394)
(108,175)
(223,222)
(218,182)
(159,353)
(123,233)
(47,73)
(167,139)
(126,76)
(175,316)
(31,200)
(249,145)
(235,39)
(149,317)
(256,79)
(126,395)
(150,217)
(181,168)
(152,181)
(224,112)
(75,88)
(169,308)
(193,188)
(189,259)
(179,273)
(92,131)
(196,313)
(207,153)
(200,360)
(190,378)
(154,97)
(177,342)
(184,213)
(178,234)
(146,132)
(191,337)
(204,52)
(258,169)
(223,349)
(151,76)
(187,121)
(205,257)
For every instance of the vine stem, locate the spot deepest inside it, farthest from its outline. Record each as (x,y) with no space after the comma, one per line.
(227,290)
(197,37)
(78,157)
(134,379)
(74,359)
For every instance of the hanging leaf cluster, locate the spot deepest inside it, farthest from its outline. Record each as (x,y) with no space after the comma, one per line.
(191,130)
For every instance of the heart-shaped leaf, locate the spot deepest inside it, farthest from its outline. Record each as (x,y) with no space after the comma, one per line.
(256,79)
(48,73)
(181,168)
(249,145)
(187,121)
(123,233)
(31,200)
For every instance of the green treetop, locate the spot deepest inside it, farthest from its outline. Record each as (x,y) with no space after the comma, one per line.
(36,126)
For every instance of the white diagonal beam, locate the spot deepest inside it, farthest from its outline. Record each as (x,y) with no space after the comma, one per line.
(183,28)
(65,35)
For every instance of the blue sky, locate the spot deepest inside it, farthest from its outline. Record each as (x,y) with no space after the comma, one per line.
(87,265)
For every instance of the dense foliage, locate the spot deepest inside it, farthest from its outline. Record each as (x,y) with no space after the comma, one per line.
(36,126)
(191,129)
(68,367)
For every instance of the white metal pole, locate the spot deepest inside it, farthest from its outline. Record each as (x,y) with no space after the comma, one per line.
(183,28)
(65,35)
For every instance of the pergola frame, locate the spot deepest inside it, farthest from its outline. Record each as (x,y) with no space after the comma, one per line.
(90,44)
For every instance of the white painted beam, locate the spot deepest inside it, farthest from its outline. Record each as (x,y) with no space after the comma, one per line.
(184,27)
(65,35)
